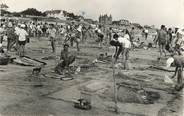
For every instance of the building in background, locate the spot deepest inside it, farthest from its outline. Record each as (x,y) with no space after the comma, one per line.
(125,22)
(4,10)
(56,14)
(137,25)
(122,22)
(105,19)
(3,7)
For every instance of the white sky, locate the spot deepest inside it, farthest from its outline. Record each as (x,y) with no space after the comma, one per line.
(157,12)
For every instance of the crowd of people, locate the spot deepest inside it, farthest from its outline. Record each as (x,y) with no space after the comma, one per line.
(18,34)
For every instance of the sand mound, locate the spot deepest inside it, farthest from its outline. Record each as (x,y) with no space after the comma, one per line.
(129,95)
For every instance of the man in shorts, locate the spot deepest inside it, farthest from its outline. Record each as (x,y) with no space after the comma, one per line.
(66,59)
(22,34)
(162,40)
(10,36)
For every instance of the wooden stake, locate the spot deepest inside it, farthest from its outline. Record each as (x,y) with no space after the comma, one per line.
(115,89)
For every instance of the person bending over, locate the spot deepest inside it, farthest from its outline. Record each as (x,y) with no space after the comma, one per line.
(178,61)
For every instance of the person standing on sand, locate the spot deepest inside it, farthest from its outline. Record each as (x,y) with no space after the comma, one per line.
(76,36)
(2,31)
(162,40)
(179,47)
(126,43)
(146,33)
(17,29)
(22,40)
(52,36)
(10,36)
(123,46)
(132,36)
(100,35)
(169,41)
(108,36)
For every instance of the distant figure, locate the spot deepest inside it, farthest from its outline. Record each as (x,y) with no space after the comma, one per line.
(169,41)
(1,49)
(146,33)
(110,33)
(132,36)
(17,29)
(22,40)
(179,47)
(2,29)
(76,36)
(170,36)
(3,56)
(52,36)
(100,35)
(11,37)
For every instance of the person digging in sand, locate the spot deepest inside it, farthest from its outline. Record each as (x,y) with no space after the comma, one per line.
(66,59)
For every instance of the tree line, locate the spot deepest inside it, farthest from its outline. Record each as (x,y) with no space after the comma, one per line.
(35,12)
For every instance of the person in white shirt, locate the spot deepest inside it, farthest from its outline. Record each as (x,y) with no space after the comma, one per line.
(79,28)
(22,37)
(126,42)
(123,45)
(100,35)
(146,33)
(39,30)
(126,45)
(17,29)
